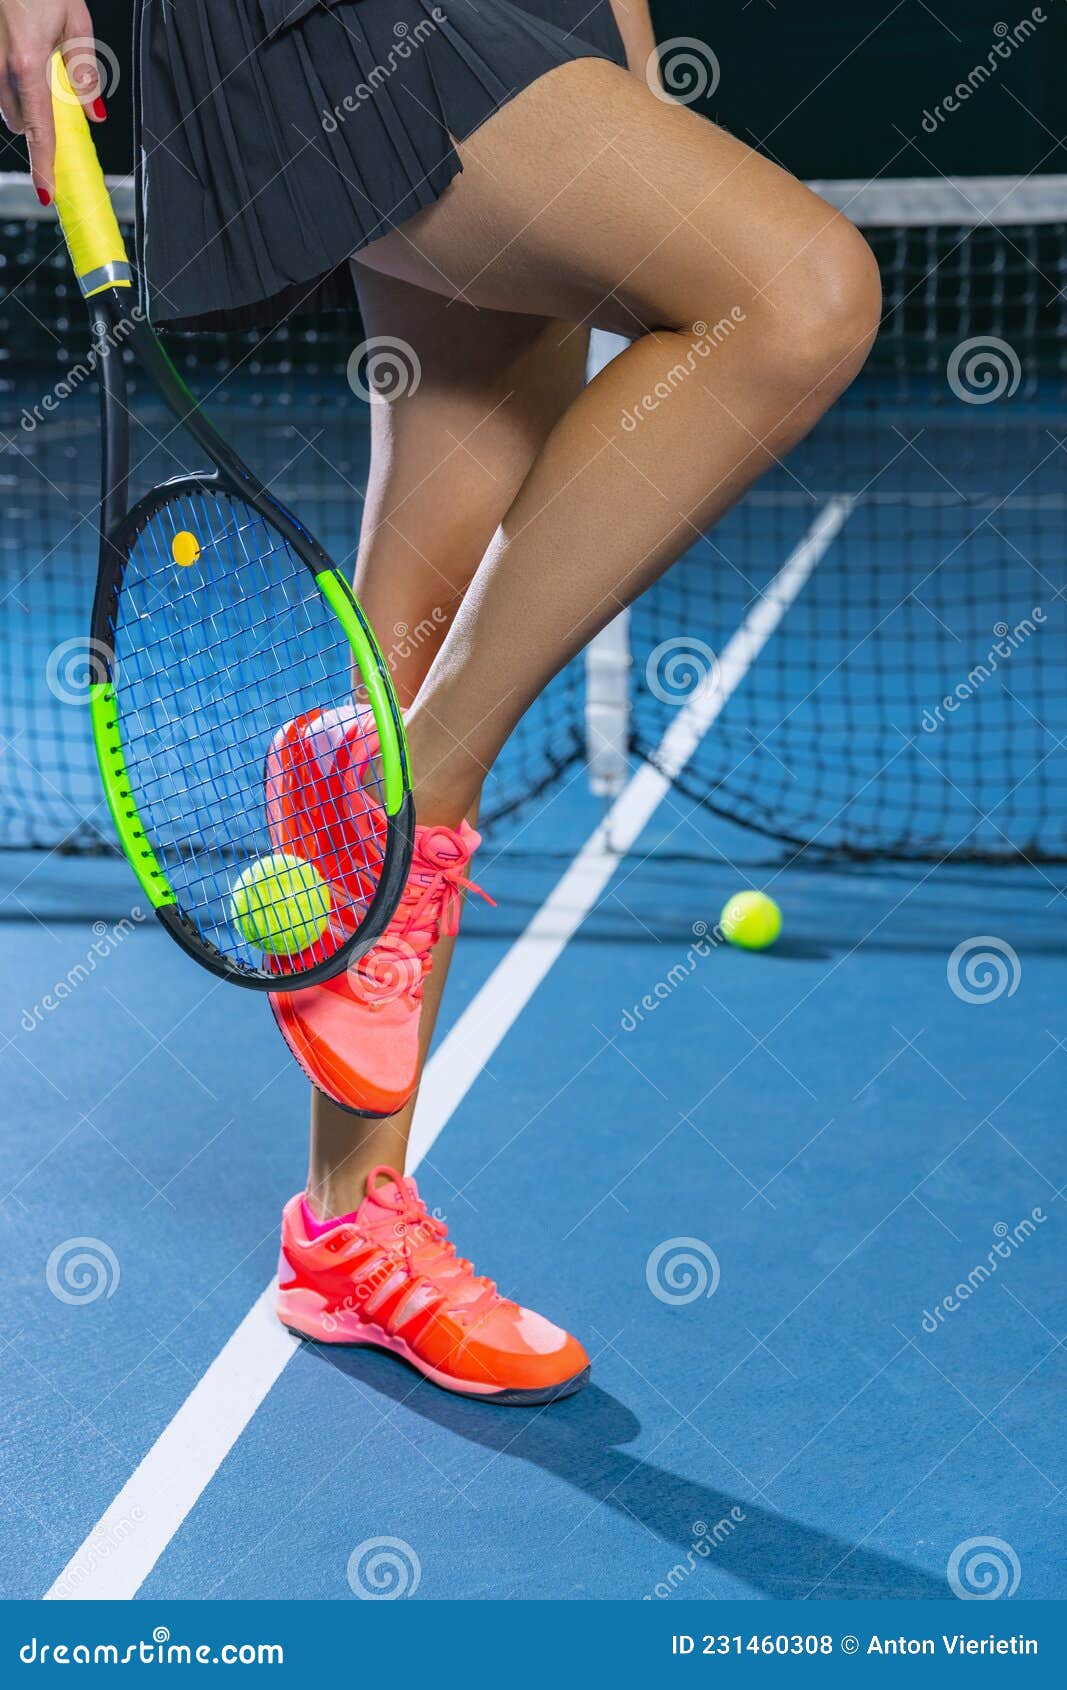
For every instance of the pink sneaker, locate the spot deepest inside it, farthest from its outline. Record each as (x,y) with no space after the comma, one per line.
(357,1036)
(387,1276)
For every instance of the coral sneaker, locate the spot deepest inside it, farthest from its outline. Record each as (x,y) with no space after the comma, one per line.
(357,1036)
(322,798)
(388,1276)
(323,795)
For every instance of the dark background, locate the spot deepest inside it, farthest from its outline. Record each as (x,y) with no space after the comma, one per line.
(828,92)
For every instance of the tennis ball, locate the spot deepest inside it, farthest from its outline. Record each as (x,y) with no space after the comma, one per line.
(185,548)
(280,904)
(751,920)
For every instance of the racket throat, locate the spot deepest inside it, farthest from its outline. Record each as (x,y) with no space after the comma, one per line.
(110,328)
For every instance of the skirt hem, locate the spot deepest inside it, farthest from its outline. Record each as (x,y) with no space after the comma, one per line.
(347,123)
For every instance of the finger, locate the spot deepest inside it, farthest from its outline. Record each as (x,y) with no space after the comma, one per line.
(83,63)
(10,105)
(35,97)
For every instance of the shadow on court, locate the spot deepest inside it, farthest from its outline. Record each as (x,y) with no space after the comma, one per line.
(582,1441)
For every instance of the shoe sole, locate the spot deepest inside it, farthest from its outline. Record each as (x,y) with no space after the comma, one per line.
(376,1338)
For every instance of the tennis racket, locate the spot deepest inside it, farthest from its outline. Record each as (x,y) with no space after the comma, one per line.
(266,813)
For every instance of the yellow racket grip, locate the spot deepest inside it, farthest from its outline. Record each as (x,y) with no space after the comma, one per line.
(90,227)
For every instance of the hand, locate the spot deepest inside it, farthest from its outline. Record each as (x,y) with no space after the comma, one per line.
(30,31)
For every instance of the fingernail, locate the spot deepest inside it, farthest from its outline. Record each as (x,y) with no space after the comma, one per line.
(44,196)
(99,110)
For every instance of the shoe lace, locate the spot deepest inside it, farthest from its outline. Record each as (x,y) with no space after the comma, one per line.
(429,909)
(417,1229)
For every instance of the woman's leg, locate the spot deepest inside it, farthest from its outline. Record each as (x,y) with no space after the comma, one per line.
(447,460)
(449,456)
(752,304)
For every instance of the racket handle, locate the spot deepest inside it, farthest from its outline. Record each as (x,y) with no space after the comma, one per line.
(90,227)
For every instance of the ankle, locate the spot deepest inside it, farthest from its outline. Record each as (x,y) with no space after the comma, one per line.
(331,1196)
(344,1149)
(446,782)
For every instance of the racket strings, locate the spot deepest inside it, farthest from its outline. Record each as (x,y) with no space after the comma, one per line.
(213,662)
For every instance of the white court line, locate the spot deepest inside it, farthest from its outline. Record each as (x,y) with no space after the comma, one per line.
(129,1538)
(487,1018)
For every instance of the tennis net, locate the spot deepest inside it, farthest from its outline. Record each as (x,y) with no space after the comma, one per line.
(911,701)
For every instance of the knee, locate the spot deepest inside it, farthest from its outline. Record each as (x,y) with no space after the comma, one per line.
(820,315)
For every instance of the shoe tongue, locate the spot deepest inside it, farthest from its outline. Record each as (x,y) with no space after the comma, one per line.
(377,1210)
(385,1200)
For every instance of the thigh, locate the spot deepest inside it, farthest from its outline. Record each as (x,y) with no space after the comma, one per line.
(463,368)
(586,198)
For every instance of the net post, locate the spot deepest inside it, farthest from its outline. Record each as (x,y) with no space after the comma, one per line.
(607,657)
(607,707)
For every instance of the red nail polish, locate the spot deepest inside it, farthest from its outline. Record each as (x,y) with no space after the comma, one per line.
(99,110)
(44,196)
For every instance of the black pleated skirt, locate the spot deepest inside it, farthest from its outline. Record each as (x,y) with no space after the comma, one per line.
(277,137)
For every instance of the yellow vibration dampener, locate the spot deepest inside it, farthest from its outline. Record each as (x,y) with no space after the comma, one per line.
(185,548)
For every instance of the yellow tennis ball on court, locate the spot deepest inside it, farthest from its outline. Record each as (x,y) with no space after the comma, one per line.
(185,548)
(751,920)
(280,904)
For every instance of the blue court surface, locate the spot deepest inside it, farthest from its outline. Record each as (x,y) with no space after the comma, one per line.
(803,1207)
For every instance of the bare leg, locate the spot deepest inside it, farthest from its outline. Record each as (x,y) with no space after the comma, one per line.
(753,304)
(447,461)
